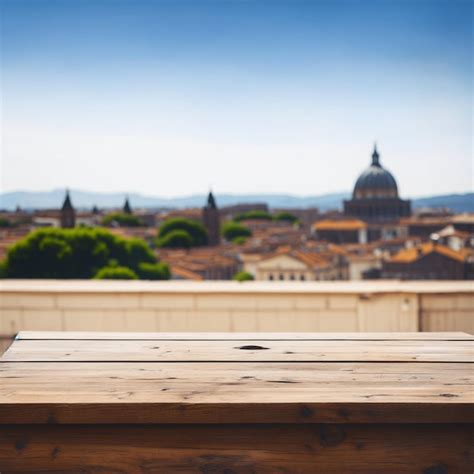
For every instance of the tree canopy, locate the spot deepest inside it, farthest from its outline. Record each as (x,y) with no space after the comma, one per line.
(243,276)
(286,216)
(154,271)
(121,219)
(176,239)
(4,222)
(116,273)
(240,240)
(73,253)
(254,214)
(231,230)
(194,229)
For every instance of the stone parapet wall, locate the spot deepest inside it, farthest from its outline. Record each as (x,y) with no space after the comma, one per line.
(237,307)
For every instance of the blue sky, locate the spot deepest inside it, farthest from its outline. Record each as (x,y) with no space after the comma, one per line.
(173,97)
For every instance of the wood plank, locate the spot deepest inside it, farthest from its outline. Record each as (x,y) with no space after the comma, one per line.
(267,449)
(235,393)
(239,351)
(263,336)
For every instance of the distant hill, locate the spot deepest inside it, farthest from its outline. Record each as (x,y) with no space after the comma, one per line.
(85,200)
(456,202)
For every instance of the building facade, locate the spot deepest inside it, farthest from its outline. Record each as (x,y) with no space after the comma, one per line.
(342,231)
(294,265)
(428,261)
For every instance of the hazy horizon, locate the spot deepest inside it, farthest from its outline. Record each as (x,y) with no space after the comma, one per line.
(125,193)
(172,98)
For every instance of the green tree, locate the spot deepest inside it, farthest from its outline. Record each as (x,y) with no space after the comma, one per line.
(193,228)
(231,230)
(115,273)
(3,269)
(255,214)
(154,271)
(176,239)
(4,222)
(286,216)
(58,251)
(121,219)
(73,253)
(240,240)
(136,252)
(243,276)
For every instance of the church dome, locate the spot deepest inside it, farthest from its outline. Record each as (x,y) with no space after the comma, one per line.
(375,182)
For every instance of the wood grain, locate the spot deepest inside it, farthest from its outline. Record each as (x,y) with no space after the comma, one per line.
(157,392)
(239,351)
(232,403)
(237,449)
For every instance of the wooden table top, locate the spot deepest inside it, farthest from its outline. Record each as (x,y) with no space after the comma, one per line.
(61,377)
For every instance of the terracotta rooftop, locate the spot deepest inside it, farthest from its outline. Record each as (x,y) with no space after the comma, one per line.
(413,254)
(343,224)
(426,221)
(185,273)
(312,259)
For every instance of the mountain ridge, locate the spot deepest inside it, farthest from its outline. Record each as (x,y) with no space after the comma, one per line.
(462,202)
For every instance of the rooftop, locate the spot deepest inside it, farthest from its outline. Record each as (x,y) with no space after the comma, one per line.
(413,254)
(341,224)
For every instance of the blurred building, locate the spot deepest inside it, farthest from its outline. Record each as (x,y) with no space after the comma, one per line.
(305,217)
(428,261)
(200,263)
(68,213)
(453,238)
(342,231)
(293,264)
(229,212)
(127,209)
(375,196)
(211,220)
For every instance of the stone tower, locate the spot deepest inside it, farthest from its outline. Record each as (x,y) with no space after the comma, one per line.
(210,216)
(127,209)
(68,214)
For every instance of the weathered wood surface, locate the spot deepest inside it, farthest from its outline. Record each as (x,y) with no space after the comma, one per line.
(229,336)
(239,351)
(167,381)
(178,403)
(235,392)
(246,449)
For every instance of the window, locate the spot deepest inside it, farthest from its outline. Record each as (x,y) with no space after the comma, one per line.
(270,277)
(282,277)
(302,277)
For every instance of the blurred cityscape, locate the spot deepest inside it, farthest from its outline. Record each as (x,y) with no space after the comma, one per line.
(377,235)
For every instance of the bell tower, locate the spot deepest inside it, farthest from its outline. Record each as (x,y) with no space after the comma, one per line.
(127,209)
(68,214)
(211,218)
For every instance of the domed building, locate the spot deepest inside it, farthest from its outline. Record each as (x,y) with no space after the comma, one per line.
(375,196)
